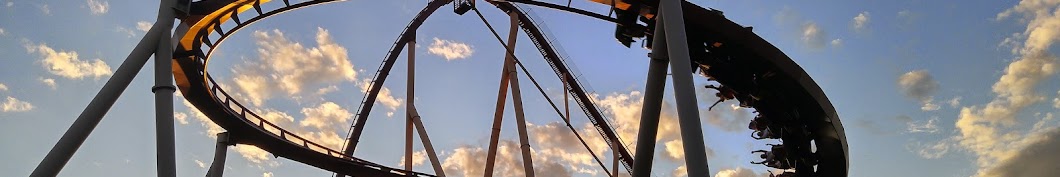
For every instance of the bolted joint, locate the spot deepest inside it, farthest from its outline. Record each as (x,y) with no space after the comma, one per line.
(163,87)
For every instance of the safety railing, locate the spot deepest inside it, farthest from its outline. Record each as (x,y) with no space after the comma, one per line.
(239,110)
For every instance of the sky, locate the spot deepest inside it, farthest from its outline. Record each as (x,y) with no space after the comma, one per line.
(924,88)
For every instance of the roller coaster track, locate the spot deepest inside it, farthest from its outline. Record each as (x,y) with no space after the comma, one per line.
(804,104)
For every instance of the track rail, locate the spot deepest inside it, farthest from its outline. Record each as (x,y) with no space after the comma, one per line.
(245,126)
(796,100)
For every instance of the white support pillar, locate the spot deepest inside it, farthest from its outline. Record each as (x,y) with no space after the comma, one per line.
(431,154)
(517,100)
(409,97)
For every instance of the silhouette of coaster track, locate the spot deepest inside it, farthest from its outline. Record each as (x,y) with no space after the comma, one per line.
(791,106)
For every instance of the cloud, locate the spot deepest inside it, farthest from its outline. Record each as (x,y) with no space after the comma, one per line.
(813,35)
(45,10)
(955,102)
(144,26)
(254,154)
(470,161)
(680,171)
(727,116)
(99,7)
(989,131)
(739,172)
(929,126)
(3,87)
(14,105)
(9,4)
(322,116)
(266,174)
(2,32)
(930,151)
(66,64)
(48,82)
(200,164)
(418,158)
(450,50)
(288,67)
(181,118)
(861,21)
(384,97)
(837,42)
(919,85)
(906,19)
(1038,159)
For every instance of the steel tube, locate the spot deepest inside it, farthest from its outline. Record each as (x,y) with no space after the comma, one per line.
(672,17)
(166,155)
(517,100)
(654,89)
(410,95)
(217,167)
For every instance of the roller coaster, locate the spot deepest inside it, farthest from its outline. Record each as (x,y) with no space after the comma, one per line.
(790,106)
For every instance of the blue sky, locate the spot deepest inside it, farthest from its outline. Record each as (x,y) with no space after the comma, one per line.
(924,88)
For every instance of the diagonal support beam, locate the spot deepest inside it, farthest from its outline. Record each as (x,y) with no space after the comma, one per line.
(426,141)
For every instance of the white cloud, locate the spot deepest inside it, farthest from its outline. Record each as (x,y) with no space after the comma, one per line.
(919,85)
(813,35)
(989,131)
(384,97)
(67,64)
(266,174)
(418,158)
(861,21)
(181,118)
(324,116)
(48,82)
(675,150)
(930,151)
(3,87)
(14,105)
(1036,160)
(144,26)
(44,9)
(9,3)
(126,31)
(680,171)
(739,172)
(450,50)
(929,126)
(2,32)
(200,164)
(254,154)
(289,67)
(470,161)
(99,7)
(955,102)
(837,42)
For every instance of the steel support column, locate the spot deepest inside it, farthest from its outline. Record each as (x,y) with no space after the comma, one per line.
(409,97)
(220,153)
(517,98)
(673,22)
(166,155)
(498,115)
(654,89)
(75,136)
(427,146)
